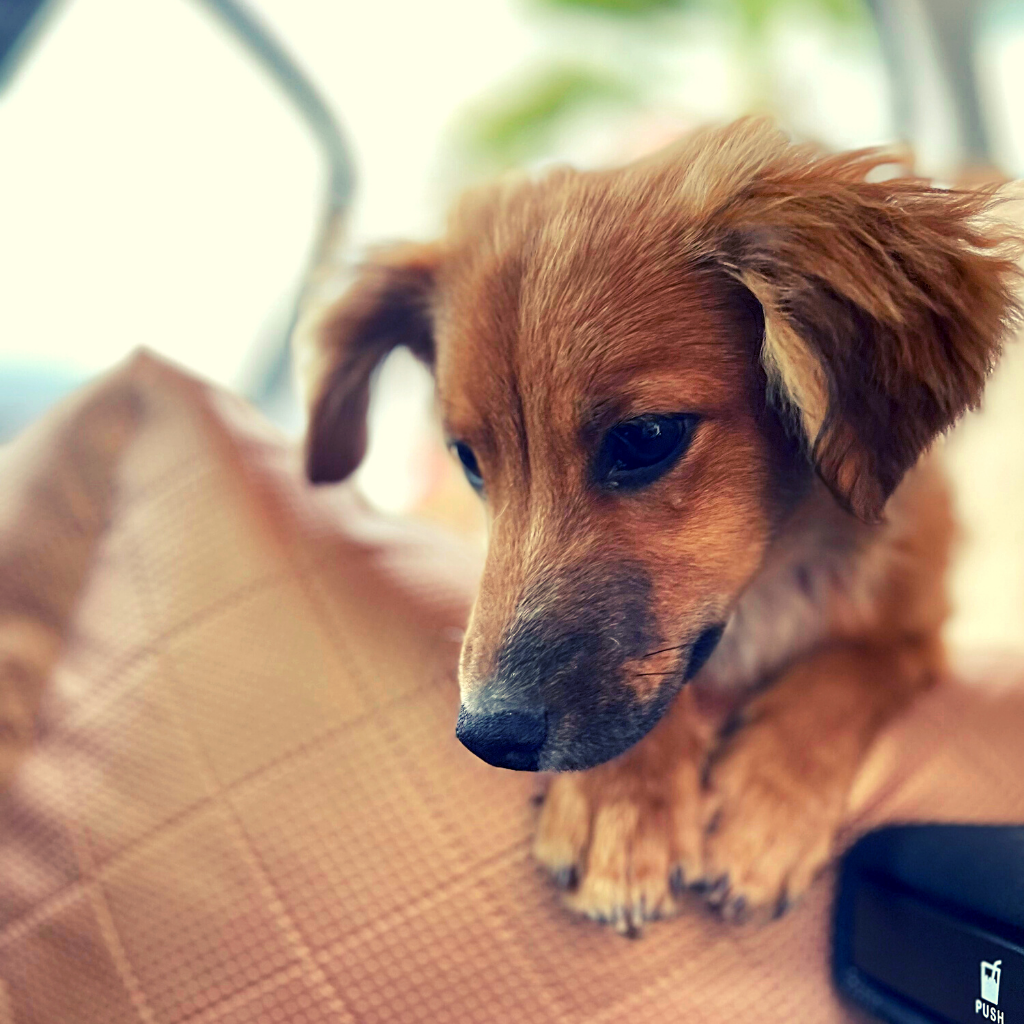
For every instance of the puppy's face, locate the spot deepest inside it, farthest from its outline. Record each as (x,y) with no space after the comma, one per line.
(605,397)
(639,371)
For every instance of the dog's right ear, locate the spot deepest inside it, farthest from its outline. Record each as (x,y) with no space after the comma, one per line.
(387,305)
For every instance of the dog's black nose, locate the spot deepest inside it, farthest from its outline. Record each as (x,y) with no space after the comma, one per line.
(508,739)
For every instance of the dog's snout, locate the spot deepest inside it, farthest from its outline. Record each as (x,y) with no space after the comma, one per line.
(507,739)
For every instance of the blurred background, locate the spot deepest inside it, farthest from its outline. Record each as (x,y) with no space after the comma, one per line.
(159,188)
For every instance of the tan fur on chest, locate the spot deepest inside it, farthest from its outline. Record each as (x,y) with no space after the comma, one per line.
(829,576)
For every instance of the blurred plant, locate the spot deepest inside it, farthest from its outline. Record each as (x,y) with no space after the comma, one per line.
(521,124)
(613,56)
(755,12)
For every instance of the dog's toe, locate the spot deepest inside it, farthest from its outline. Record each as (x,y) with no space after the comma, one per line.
(562,832)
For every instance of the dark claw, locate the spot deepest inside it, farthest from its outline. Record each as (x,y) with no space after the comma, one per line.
(784,905)
(677,882)
(735,910)
(566,878)
(629,922)
(718,891)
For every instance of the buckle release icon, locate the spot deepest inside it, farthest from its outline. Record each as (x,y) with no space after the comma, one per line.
(990,981)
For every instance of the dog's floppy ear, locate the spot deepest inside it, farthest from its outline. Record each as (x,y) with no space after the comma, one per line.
(885,306)
(387,305)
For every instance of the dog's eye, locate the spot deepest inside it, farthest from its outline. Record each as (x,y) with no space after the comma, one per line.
(469,464)
(636,452)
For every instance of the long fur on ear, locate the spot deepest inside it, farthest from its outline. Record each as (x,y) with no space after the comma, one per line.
(387,305)
(886,303)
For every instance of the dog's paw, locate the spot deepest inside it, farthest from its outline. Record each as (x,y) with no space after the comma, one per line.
(771,814)
(622,843)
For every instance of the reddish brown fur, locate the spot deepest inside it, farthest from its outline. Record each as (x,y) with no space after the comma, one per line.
(815,321)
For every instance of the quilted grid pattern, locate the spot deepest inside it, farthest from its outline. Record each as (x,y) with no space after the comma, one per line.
(245,803)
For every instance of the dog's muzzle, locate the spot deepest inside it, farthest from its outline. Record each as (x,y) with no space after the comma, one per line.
(559,697)
(576,721)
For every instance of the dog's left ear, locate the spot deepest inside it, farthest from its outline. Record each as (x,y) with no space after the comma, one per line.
(885,305)
(387,305)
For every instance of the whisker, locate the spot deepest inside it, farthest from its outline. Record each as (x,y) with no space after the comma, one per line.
(664,650)
(500,514)
(639,675)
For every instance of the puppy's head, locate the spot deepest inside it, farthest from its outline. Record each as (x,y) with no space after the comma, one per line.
(640,372)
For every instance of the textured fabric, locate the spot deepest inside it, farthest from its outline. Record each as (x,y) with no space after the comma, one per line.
(245,803)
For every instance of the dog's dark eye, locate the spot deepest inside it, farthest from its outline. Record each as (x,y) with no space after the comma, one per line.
(636,452)
(469,464)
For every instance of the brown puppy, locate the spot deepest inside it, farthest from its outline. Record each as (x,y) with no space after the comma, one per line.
(693,393)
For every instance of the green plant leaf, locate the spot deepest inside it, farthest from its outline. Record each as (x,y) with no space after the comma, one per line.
(522,121)
(629,8)
(755,14)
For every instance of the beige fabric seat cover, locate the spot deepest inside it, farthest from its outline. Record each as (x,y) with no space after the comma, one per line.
(244,801)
